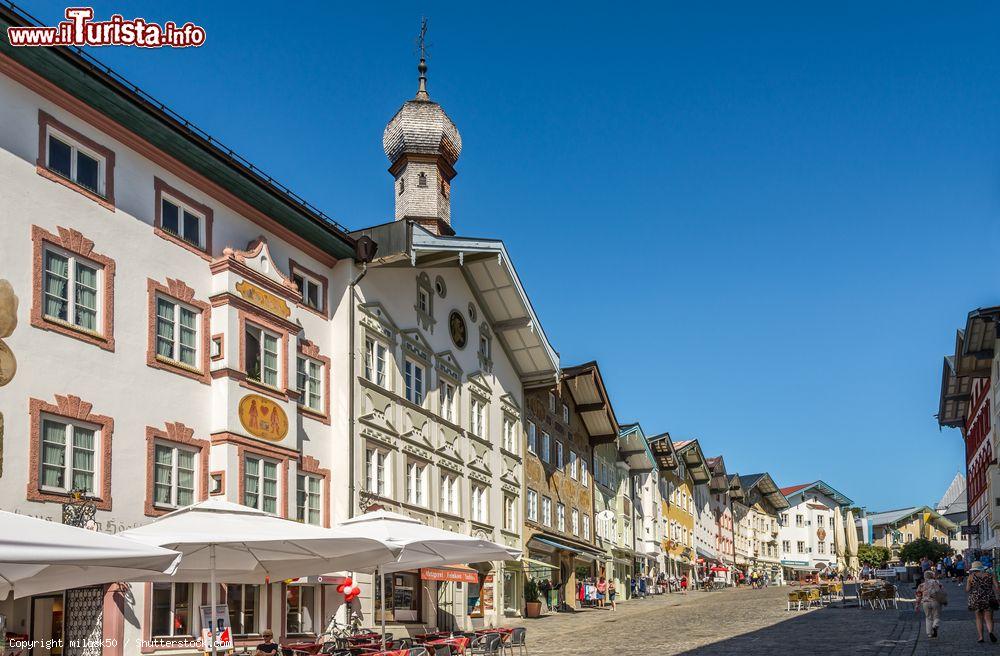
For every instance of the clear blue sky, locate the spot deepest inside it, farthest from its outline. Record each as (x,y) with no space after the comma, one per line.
(764,221)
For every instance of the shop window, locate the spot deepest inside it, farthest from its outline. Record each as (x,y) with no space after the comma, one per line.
(300,609)
(402,597)
(243,602)
(172,610)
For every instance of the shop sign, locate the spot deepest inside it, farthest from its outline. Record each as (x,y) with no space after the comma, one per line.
(264,300)
(223,634)
(488,592)
(449,575)
(263,418)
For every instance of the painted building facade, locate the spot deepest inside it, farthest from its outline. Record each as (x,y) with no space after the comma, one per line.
(895,528)
(806,528)
(721,508)
(764,502)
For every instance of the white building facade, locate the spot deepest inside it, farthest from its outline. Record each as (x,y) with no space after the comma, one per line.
(806,533)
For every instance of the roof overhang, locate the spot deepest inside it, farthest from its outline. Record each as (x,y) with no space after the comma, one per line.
(490,274)
(662,448)
(968,364)
(105,91)
(736,490)
(693,458)
(981,333)
(634,449)
(720,480)
(593,404)
(769,490)
(820,486)
(956,392)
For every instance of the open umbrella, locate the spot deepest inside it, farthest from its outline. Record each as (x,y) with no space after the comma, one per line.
(851,531)
(838,539)
(39,556)
(421,546)
(225,541)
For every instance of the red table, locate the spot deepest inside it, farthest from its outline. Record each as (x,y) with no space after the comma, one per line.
(460,644)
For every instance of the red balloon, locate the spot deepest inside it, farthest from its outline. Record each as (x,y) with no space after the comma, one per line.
(340,588)
(356,591)
(348,582)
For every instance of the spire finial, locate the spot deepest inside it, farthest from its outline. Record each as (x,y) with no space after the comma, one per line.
(422,66)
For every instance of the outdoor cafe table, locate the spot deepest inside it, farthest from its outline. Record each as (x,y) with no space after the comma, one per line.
(460,644)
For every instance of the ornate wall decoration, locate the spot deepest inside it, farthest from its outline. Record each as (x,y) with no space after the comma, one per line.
(263,418)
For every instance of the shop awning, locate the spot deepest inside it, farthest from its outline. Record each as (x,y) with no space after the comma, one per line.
(579,550)
(530,562)
(457,574)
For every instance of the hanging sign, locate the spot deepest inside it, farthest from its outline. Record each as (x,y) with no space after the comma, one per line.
(222,634)
(264,300)
(263,418)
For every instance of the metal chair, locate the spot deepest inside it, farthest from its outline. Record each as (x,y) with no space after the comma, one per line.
(487,644)
(794,599)
(442,650)
(419,650)
(518,638)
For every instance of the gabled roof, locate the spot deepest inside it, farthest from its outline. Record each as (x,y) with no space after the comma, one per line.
(889,517)
(490,274)
(663,451)
(954,499)
(634,448)
(840,499)
(690,453)
(720,480)
(593,403)
(736,490)
(767,488)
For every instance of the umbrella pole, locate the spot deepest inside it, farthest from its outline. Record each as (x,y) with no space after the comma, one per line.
(213,599)
(381,587)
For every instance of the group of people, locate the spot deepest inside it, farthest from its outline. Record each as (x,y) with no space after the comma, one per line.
(980,586)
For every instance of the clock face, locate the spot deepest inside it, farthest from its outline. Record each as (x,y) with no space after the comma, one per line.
(456,325)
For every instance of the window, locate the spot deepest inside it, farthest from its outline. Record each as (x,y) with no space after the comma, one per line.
(552,402)
(375,466)
(243,602)
(575,521)
(547,511)
(783,519)
(261,355)
(71,289)
(531,499)
(448,401)
(480,510)
(478,410)
(312,290)
(586,527)
(560,517)
(414,382)
(485,348)
(182,221)
(532,438)
(786,546)
(820,521)
(423,301)
(800,546)
(509,435)
(68,459)
(573,466)
(173,476)
(260,484)
(798,521)
(172,609)
(545,447)
(583,472)
(300,609)
(565,413)
(416,482)
(821,547)
(449,494)
(309,383)
(375,353)
(308,499)
(421,179)
(81,165)
(559,455)
(509,515)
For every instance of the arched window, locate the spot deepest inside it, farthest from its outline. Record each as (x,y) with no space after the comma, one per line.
(422,179)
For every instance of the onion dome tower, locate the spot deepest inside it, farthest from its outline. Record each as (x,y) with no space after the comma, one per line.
(423,145)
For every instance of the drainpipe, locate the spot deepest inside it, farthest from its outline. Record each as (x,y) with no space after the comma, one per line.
(352,354)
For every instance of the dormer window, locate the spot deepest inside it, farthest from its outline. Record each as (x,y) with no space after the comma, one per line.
(75,163)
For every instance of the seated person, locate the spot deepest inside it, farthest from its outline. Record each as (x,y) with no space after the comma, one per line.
(269,646)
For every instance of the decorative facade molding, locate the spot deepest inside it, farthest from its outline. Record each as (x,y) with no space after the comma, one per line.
(176,433)
(179,291)
(46,121)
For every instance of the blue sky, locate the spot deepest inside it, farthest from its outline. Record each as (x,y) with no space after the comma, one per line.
(764,221)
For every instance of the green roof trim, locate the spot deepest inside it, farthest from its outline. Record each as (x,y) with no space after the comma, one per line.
(78,77)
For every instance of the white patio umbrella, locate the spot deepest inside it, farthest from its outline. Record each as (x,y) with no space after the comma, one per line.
(225,541)
(421,546)
(852,543)
(39,556)
(838,538)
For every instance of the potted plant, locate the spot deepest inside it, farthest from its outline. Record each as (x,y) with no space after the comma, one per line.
(532,606)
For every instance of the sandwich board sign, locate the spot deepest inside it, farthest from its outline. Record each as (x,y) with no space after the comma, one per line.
(222,633)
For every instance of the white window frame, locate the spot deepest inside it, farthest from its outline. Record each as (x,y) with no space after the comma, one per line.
(509,434)
(584,476)
(586,526)
(565,413)
(575,521)
(261,334)
(377,462)
(309,281)
(531,500)
(75,149)
(261,497)
(415,386)
(450,502)
(561,517)
(303,493)
(478,412)
(509,513)
(573,467)
(72,260)
(448,391)
(532,438)
(175,450)
(560,458)
(183,208)
(552,402)
(416,482)
(546,447)
(376,362)
(192,610)
(546,511)
(67,464)
(480,503)
(303,367)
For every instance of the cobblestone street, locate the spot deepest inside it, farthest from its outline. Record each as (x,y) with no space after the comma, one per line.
(751,623)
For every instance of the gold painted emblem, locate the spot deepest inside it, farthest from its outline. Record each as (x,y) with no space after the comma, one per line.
(264,300)
(263,418)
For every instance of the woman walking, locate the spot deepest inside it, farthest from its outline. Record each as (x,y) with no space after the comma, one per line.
(930,597)
(602,590)
(612,593)
(983,592)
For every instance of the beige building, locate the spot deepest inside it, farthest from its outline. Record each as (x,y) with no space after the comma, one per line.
(895,528)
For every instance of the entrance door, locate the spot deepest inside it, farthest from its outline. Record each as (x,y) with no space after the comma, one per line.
(446,606)
(84,626)
(47,626)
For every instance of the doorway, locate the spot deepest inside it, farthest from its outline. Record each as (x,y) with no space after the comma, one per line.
(446,606)
(47,625)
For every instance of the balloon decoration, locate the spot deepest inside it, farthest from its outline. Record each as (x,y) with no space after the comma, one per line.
(349,590)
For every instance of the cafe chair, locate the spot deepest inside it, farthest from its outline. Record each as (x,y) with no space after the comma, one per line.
(518,638)
(419,650)
(487,644)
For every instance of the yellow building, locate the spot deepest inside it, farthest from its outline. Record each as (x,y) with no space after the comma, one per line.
(894,528)
(678,509)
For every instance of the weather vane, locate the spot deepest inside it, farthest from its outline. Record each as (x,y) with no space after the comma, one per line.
(422,66)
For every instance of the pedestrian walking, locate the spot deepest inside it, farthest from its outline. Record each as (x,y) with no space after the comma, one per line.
(612,593)
(602,591)
(684,584)
(930,597)
(959,567)
(546,587)
(983,592)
